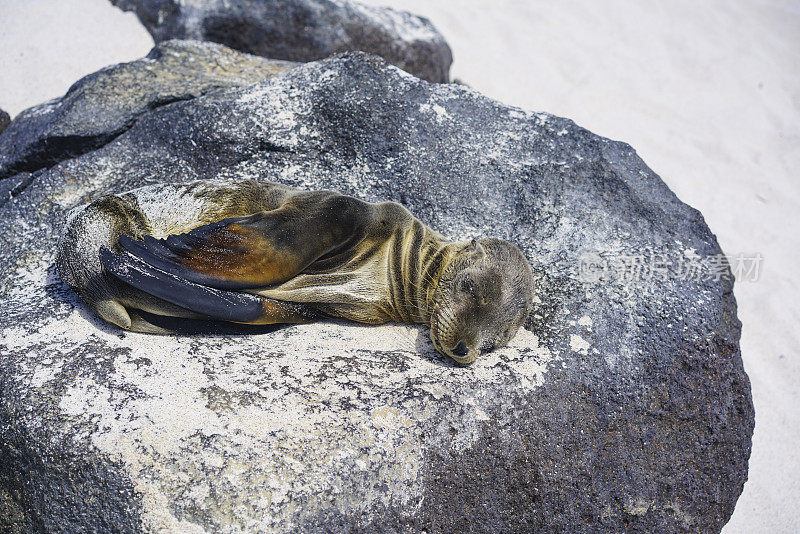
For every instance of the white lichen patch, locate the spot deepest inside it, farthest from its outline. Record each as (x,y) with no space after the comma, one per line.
(578,344)
(524,355)
(46,372)
(278,113)
(438,111)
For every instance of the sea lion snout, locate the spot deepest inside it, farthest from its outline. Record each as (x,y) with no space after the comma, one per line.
(461,349)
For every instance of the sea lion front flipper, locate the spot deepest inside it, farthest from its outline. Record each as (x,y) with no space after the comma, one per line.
(234,253)
(213,303)
(261,249)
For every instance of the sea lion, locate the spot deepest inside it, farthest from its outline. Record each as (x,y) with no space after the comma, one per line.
(264,253)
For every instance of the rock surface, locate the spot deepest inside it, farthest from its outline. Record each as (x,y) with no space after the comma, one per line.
(102,105)
(622,407)
(301,30)
(4,120)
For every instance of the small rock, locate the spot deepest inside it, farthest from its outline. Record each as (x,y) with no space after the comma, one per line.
(301,30)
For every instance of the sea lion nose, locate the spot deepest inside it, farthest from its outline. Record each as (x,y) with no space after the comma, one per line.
(461,349)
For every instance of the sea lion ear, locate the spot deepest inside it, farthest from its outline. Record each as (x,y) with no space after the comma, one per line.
(477,249)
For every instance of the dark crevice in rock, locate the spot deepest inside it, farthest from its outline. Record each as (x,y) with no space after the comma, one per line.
(263,145)
(171,100)
(53,150)
(101,106)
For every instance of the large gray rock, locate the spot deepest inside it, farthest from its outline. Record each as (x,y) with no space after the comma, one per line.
(100,106)
(301,30)
(622,407)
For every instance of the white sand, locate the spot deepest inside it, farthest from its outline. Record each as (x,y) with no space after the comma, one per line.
(47,45)
(707,92)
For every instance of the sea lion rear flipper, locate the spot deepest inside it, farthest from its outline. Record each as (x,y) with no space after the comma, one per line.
(213,303)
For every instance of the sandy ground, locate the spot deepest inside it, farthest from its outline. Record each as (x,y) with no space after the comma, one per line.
(707,92)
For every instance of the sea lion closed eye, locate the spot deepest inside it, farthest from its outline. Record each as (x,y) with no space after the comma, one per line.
(265,253)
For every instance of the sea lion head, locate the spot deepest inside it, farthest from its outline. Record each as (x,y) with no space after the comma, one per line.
(483,297)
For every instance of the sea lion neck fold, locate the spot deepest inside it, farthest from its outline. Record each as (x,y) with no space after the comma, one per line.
(415,265)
